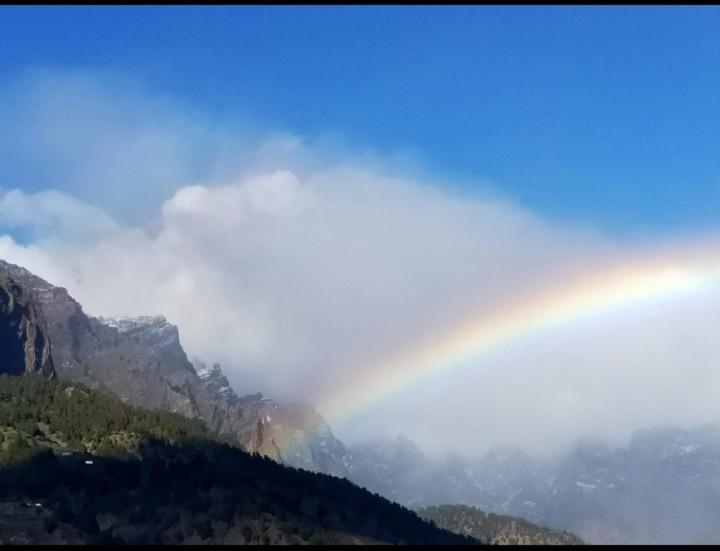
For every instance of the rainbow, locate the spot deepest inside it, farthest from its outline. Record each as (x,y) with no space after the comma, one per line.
(654,276)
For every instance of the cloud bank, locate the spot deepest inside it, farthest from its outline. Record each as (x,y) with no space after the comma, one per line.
(296,264)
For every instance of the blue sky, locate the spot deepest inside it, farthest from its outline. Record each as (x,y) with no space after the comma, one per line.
(304,191)
(606,115)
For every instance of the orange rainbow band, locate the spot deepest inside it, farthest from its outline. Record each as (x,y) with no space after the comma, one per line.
(653,277)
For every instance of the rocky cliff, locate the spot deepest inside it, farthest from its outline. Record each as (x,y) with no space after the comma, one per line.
(24,344)
(99,355)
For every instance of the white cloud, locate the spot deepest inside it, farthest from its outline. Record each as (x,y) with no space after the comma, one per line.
(294,266)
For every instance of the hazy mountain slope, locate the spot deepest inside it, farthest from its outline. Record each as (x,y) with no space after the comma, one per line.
(294,434)
(663,488)
(102,471)
(494,529)
(503,480)
(394,468)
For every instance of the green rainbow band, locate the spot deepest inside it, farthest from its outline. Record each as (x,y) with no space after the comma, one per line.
(658,275)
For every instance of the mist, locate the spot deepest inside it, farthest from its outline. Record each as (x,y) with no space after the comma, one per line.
(295,263)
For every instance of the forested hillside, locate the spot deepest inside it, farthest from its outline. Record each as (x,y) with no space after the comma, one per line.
(80,466)
(494,529)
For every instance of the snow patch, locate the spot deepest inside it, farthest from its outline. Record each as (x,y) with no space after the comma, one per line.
(585,486)
(124,324)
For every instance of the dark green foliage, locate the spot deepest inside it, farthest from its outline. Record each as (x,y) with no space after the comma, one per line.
(495,529)
(80,419)
(158,478)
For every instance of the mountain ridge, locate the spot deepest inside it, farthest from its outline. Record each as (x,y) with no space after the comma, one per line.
(141,360)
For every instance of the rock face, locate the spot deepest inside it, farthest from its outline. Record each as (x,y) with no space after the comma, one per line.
(141,361)
(24,344)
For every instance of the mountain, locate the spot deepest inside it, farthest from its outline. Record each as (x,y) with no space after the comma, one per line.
(663,488)
(503,480)
(80,466)
(494,529)
(141,361)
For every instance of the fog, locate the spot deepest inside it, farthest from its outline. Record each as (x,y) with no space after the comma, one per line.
(296,263)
